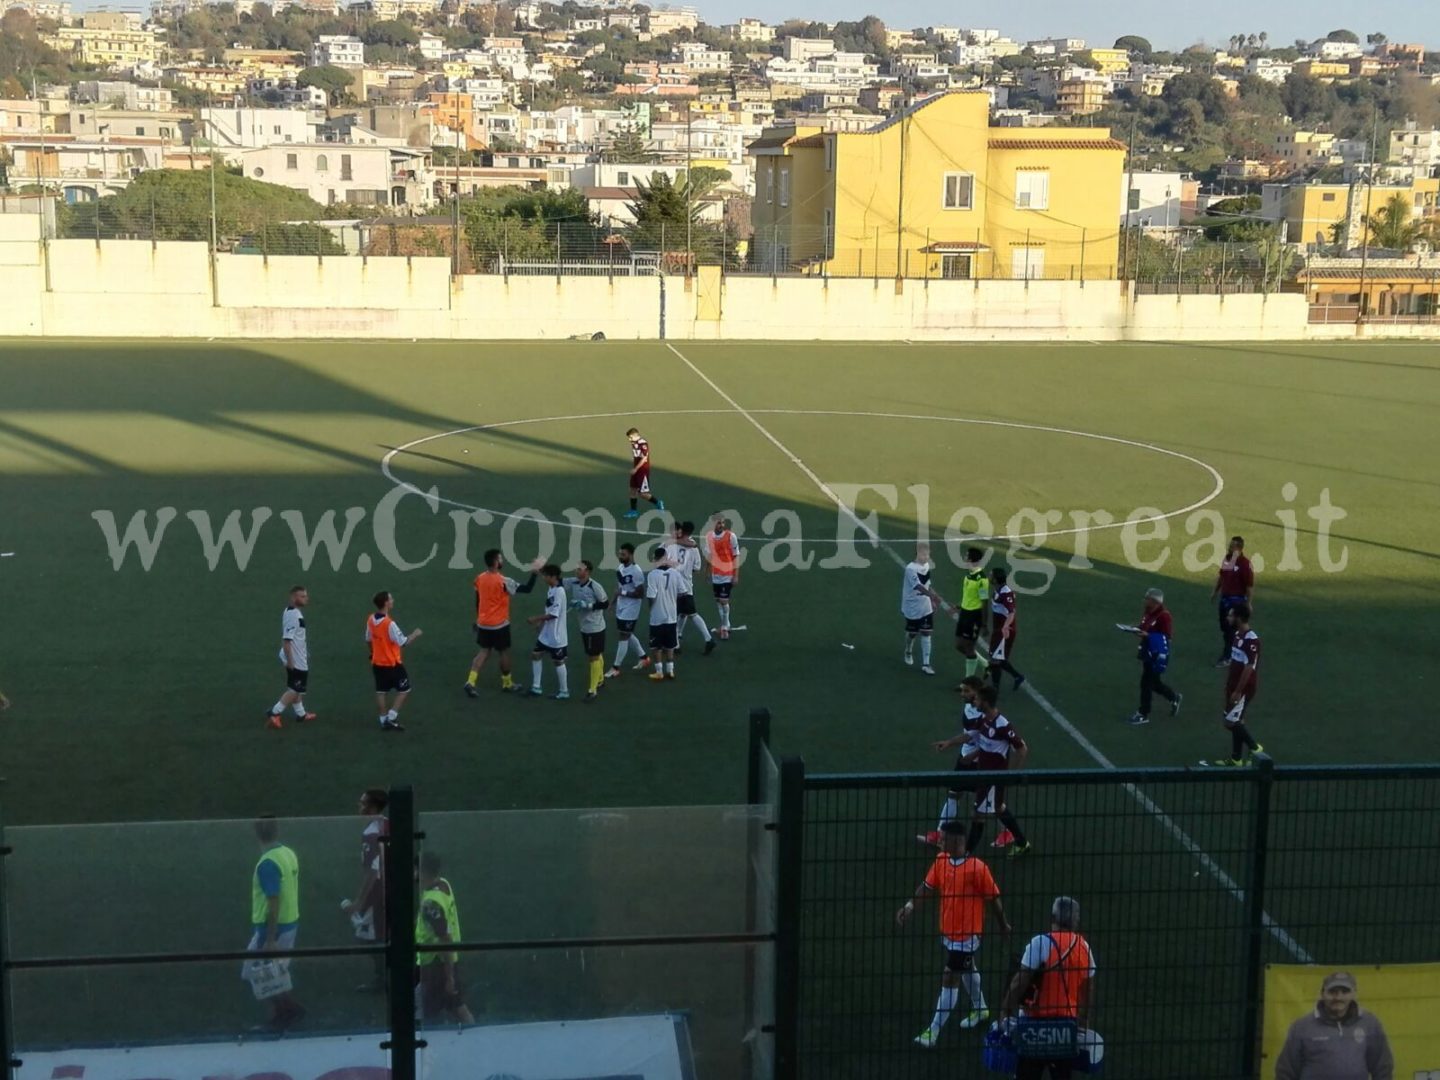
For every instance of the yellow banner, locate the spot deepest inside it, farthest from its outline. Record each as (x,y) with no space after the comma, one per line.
(1404,997)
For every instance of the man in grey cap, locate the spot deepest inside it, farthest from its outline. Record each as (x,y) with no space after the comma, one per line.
(1155,631)
(1338,1041)
(1053,983)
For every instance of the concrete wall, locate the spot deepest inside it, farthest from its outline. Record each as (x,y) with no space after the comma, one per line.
(119,289)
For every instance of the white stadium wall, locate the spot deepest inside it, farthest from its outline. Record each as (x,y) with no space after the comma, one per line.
(136,289)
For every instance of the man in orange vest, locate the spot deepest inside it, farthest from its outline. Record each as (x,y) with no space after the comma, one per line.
(1053,983)
(722,549)
(492,618)
(386,640)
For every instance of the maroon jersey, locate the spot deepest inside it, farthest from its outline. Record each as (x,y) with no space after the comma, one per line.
(1236,577)
(1244,652)
(639,455)
(1002,606)
(994,739)
(1159,619)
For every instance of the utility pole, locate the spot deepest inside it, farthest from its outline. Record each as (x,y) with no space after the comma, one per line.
(1129,194)
(907,88)
(689,186)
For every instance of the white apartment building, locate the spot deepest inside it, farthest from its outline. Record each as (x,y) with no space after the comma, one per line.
(752,30)
(432,47)
(340,50)
(127,95)
(708,139)
(486,93)
(1060,46)
(343,172)
(946,35)
(1269,68)
(700,59)
(919,67)
(802,49)
(503,53)
(283,90)
(819,73)
(1334,50)
(231,131)
(1152,200)
(1411,146)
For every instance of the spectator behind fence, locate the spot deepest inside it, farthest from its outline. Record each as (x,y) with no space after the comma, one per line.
(367,910)
(274,924)
(1337,1041)
(1053,983)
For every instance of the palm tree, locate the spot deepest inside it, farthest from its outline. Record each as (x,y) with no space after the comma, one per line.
(1394,226)
(1264,38)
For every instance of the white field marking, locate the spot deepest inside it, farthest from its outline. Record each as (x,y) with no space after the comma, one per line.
(1149,805)
(7,554)
(1219,481)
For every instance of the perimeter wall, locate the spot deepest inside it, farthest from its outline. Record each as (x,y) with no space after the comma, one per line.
(139,289)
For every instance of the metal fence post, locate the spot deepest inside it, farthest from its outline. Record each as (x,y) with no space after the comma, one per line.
(1082,256)
(559,254)
(1255,921)
(400,929)
(877,256)
(8,1061)
(787,919)
(759,739)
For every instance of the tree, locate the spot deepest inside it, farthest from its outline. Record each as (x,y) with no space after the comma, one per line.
(628,147)
(23,54)
(335,81)
(664,213)
(705,178)
(1376,38)
(1135,45)
(1343,35)
(1306,99)
(1394,226)
(391,32)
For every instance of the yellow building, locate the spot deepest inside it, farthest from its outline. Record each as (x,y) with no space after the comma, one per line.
(1327,70)
(1310,212)
(937,192)
(1110,61)
(107,48)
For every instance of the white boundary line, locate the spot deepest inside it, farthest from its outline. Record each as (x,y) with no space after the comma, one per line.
(1146,803)
(1219,481)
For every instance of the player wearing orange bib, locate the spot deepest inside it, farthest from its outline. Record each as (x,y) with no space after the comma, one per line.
(492,618)
(966,888)
(722,551)
(386,641)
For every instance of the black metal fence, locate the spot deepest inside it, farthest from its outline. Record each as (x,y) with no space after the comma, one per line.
(1190,882)
(769,926)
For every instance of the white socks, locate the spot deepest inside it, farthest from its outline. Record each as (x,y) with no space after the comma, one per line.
(971,981)
(948,814)
(536,667)
(725,616)
(299,708)
(621,650)
(948,996)
(925,649)
(563,674)
(704,630)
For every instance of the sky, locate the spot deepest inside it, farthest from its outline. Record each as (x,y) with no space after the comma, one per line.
(1168,25)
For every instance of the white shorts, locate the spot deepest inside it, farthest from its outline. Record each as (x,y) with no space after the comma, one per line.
(970,944)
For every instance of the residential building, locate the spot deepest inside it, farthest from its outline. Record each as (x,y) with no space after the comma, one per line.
(1324,70)
(826,70)
(976,199)
(610,189)
(1158,200)
(1110,61)
(920,67)
(1269,68)
(667,20)
(338,50)
(432,47)
(106,124)
(881,98)
(803,49)
(1409,55)
(127,95)
(1411,146)
(100,46)
(1080,97)
(1334,50)
(344,173)
(56,10)
(233,130)
(82,168)
(1058,46)
(946,35)
(819,101)
(287,91)
(1304,149)
(218,82)
(1311,212)
(752,30)
(698,59)
(1349,286)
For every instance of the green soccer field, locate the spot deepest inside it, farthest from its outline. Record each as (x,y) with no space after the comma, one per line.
(140,694)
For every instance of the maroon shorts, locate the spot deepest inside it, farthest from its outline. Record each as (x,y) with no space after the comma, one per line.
(640,480)
(989,799)
(996,639)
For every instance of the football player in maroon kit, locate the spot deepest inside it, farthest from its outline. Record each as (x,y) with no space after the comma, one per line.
(1242,681)
(640,473)
(996,740)
(1002,629)
(1234,584)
